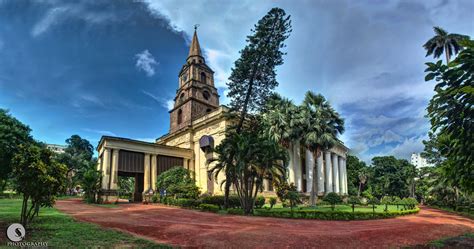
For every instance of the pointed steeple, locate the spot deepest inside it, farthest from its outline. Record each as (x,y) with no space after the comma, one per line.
(195,49)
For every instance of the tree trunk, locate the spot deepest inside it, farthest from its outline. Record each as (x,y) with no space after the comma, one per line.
(315,174)
(360,189)
(226,192)
(446,51)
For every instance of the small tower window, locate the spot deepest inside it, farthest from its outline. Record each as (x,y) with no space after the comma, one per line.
(203,77)
(181,97)
(208,110)
(206,95)
(180,116)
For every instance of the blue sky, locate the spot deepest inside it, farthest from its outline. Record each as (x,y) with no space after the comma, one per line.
(110,67)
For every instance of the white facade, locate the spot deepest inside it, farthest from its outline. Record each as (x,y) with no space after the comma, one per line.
(56,148)
(419,161)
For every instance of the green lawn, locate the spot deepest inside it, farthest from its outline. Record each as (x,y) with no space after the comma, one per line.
(61,231)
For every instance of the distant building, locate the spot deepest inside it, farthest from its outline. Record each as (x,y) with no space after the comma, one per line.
(56,148)
(419,161)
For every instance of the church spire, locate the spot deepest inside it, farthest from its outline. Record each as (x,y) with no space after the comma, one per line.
(195,49)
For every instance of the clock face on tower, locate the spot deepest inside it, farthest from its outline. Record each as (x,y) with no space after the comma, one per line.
(196,95)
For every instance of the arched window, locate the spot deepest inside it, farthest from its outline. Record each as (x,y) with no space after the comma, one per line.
(181,97)
(203,77)
(206,95)
(180,116)
(208,110)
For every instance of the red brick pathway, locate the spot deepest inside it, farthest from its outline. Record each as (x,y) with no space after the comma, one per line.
(189,228)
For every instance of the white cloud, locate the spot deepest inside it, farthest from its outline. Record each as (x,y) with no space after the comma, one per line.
(57,14)
(146,139)
(146,62)
(100,132)
(50,18)
(166,103)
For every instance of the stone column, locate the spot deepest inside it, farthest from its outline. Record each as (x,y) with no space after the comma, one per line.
(147,173)
(309,171)
(106,157)
(341,175)
(346,191)
(114,180)
(290,164)
(297,166)
(320,174)
(327,160)
(154,171)
(335,169)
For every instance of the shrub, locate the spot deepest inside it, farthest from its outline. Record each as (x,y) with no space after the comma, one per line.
(273,201)
(333,199)
(187,203)
(259,201)
(353,200)
(386,200)
(154,199)
(177,182)
(236,211)
(218,200)
(209,207)
(374,201)
(332,215)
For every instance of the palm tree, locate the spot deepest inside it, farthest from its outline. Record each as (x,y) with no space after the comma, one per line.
(320,125)
(362,180)
(279,122)
(248,158)
(444,42)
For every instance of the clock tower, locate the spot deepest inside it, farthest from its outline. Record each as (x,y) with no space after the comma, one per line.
(196,95)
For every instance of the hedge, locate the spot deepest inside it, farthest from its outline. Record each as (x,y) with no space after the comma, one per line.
(330,215)
(209,207)
(234,201)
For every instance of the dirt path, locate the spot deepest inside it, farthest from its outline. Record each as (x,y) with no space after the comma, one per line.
(188,228)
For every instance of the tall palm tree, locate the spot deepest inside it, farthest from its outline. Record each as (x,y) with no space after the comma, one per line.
(279,122)
(320,125)
(278,119)
(363,175)
(444,42)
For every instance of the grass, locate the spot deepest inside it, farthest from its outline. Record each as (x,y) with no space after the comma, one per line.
(447,209)
(61,231)
(451,241)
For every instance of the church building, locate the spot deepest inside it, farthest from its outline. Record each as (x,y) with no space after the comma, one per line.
(197,123)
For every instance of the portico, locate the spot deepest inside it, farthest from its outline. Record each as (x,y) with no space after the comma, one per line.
(142,160)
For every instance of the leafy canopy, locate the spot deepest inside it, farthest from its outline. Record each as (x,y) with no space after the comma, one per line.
(451,111)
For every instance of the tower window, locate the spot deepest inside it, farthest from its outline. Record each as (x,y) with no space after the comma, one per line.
(180,116)
(181,97)
(206,95)
(208,110)
(203,77)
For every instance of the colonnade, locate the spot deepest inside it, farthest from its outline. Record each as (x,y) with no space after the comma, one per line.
(328,171)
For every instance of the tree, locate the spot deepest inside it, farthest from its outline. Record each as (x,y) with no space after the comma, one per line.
(374,202)
(279,118)
(38,177)
(391,176)
(320,125)
(77,158)
(250,157)
(178,183)
(288,192)
(386,200)
(253,76)
(353,200)
(13,134)
(357,175)
(91,184)
(450,112)
(444,42)
(333,199)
